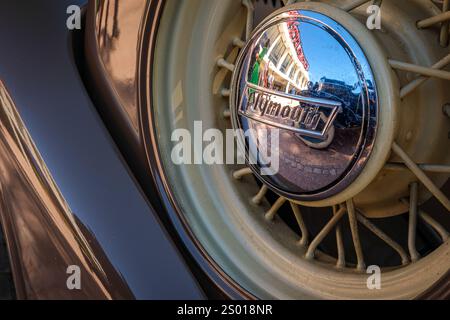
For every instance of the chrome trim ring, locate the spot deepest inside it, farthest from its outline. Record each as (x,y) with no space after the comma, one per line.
(327,166)
(327,109)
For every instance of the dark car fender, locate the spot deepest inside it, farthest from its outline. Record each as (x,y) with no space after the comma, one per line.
(67,196)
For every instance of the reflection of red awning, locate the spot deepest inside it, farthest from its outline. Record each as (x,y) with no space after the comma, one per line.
(294,33)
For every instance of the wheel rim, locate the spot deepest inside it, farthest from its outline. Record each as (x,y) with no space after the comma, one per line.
(264,257)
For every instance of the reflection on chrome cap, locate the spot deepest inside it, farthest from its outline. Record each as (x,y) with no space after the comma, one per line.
(304,74)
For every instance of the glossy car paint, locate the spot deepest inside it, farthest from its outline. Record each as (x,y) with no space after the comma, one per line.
(111,231)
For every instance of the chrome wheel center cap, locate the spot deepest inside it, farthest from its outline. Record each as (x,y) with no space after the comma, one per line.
(304,74)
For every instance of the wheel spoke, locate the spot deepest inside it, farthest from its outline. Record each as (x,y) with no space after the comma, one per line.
(239,174)
(410,87)
(225,64)
(237,42)
(355,234)
(442,17)
(435,225)
(431,222)
(249,23)
(227,113)
(443,38)
(434,168)
(270,215)
(383,236)
(412,225)
(339,242)
(301,223)
(260,195)
(288,2)
(426,71)
(324,232)
(440,196)
(225,93)
(353,5)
